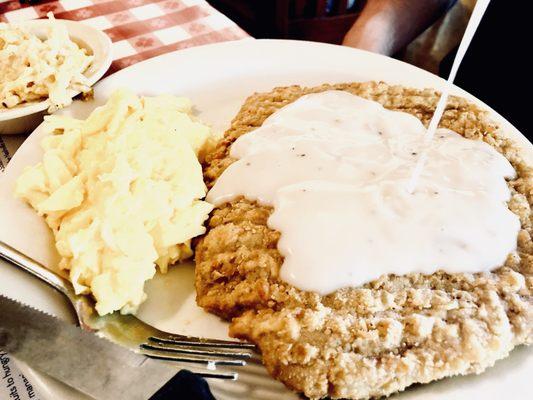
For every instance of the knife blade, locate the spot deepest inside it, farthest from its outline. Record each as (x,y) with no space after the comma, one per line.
(82,360)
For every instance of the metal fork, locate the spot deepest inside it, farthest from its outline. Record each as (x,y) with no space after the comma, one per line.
(129,331)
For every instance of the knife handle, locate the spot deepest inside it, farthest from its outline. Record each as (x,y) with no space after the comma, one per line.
(184,385)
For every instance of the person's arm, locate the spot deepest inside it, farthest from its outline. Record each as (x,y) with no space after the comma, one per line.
(386,26)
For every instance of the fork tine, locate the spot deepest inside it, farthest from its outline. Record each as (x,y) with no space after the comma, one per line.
(230,376)
(211,363)
(185,350)
(186,341)
(208,352)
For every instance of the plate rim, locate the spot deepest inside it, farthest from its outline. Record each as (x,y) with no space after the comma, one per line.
(503,123)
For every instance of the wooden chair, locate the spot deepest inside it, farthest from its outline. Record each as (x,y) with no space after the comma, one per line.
(316,20)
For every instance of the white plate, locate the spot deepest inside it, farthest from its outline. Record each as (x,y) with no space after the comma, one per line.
(26,117)
(218,78)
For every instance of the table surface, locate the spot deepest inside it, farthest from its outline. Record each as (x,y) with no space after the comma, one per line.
(139,30)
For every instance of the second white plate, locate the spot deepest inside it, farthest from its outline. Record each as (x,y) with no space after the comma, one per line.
(26,117)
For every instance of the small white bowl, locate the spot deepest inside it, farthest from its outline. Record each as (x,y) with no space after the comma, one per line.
(24,118)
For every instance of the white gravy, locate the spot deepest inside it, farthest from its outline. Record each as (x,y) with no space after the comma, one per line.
(336,167)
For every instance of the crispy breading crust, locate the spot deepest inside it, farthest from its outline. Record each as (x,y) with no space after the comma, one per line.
(377,339)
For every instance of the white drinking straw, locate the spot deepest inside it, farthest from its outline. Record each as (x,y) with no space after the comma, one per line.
(473,23)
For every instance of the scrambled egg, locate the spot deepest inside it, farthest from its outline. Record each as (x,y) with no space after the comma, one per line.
(121,192)
(33,69)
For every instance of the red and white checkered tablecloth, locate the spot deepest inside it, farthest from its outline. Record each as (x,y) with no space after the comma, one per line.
(139,29)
